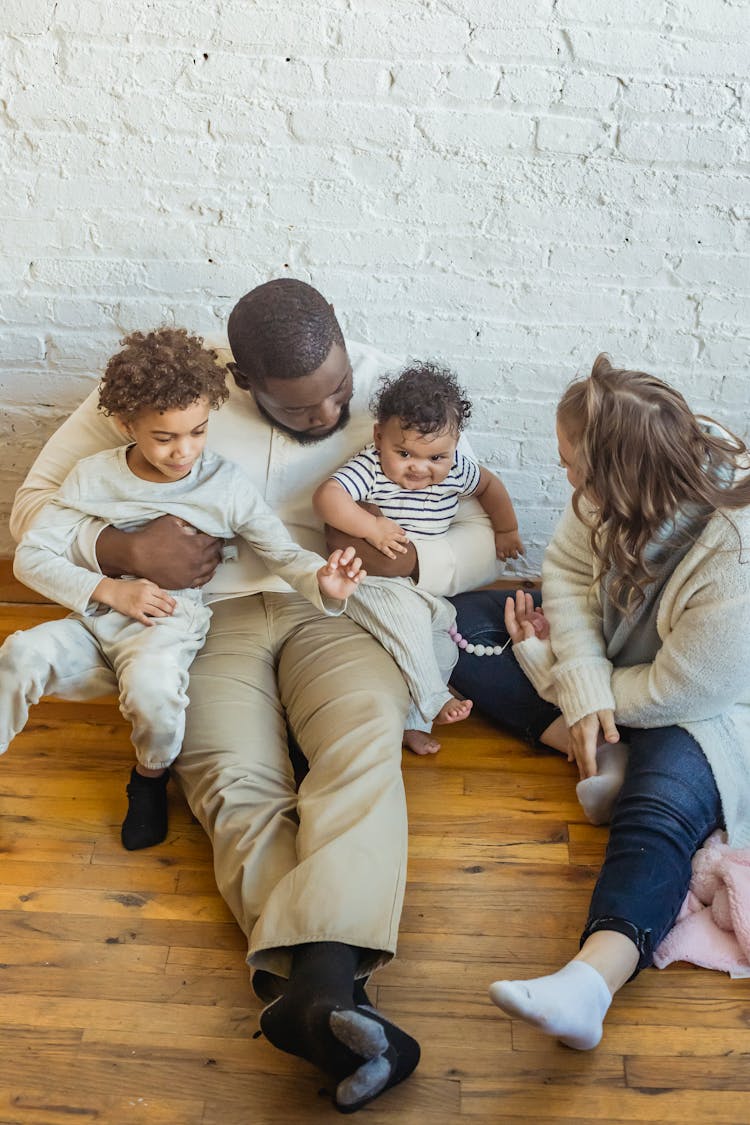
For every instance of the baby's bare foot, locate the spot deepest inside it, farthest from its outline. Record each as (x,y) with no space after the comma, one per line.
(454,711)
(420,742)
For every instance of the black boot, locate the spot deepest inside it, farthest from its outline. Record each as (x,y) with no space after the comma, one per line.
(146,820)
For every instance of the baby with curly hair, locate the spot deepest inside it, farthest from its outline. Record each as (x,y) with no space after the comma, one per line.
(407,484)
(126,631)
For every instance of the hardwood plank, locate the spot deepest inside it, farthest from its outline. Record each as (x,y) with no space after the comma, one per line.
(126,996)
(573,1102)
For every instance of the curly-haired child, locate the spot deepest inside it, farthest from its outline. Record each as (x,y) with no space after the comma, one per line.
(410,479)
(160,390)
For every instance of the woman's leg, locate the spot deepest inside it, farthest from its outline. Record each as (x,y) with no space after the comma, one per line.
(669,804)
(497,684)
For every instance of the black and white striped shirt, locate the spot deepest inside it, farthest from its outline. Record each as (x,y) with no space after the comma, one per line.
(422,511)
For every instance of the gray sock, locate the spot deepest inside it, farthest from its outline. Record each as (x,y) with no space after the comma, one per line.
(597,795)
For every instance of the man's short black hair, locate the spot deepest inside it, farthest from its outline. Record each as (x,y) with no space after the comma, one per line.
(425,397)
(282,329)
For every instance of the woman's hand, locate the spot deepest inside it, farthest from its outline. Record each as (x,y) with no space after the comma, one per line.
(341,575)
(587,735)
(523,619)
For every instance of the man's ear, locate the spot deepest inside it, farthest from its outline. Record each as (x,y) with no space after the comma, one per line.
(243,381)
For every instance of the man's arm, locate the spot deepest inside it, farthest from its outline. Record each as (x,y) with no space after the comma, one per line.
(166,551)
(462,559)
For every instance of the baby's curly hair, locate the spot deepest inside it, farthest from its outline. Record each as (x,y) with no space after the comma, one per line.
(166,369)
(424,397)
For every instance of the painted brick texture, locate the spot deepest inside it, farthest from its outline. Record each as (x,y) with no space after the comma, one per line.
(508,186)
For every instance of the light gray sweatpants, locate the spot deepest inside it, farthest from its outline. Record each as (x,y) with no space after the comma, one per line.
(81,657)
(412,626)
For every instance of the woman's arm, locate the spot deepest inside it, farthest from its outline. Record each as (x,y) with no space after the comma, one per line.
(582,671)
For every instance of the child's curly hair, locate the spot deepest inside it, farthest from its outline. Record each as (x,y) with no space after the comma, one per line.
(166,369)
(424,397)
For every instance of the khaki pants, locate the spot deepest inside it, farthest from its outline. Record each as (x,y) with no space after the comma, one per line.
(327,863)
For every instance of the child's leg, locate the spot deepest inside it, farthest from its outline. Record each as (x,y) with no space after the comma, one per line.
(401,618)
(418,734)
(55,658)
(152,664)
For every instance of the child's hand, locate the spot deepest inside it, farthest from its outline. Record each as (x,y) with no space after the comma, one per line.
(508,544)
(523,620)
(388,537)
(341,575)
(137,598)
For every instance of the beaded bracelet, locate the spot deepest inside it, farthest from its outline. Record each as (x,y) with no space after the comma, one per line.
(476,650)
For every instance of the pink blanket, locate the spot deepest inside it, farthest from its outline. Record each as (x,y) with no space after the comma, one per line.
(713,926)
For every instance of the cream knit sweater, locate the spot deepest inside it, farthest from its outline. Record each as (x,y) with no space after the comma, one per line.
(700,677)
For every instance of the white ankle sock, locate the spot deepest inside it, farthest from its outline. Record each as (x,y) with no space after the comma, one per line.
(597,795)
(570,1004)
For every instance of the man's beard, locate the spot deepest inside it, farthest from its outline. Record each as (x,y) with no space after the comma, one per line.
(300,436)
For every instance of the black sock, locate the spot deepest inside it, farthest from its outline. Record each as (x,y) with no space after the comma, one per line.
(146,821)
(318,1020)
(269,986)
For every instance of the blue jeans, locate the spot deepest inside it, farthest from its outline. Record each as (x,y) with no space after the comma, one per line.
(667,807)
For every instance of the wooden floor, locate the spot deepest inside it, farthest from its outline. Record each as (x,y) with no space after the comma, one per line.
(125,996)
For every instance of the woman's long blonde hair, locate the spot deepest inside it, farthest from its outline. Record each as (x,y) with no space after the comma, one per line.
(643,456)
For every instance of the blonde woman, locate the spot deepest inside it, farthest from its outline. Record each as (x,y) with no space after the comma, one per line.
(647,592)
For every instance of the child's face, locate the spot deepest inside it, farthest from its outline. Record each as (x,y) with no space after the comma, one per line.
(167,444)
(413,460)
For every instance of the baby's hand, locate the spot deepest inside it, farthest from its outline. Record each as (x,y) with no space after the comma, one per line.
(389,538)
(508,544)
(341,575)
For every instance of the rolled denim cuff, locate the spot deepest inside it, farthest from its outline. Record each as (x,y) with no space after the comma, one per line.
(641,939)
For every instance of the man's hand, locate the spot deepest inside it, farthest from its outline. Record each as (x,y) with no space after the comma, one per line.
(341,575)
(587,735)
(388,537)
(167,551)
(137,598)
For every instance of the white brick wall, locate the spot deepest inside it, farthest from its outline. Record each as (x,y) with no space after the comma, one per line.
(509,185)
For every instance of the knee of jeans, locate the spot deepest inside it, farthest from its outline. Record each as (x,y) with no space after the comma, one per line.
(479,616)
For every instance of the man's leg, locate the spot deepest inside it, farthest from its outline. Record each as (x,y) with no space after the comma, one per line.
(345,701)
(234,767)
(336,913)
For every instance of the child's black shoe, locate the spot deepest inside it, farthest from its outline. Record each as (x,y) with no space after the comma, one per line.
(146,821)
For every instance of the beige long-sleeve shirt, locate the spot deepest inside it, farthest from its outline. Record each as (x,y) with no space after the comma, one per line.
(700,676)
(285,474)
